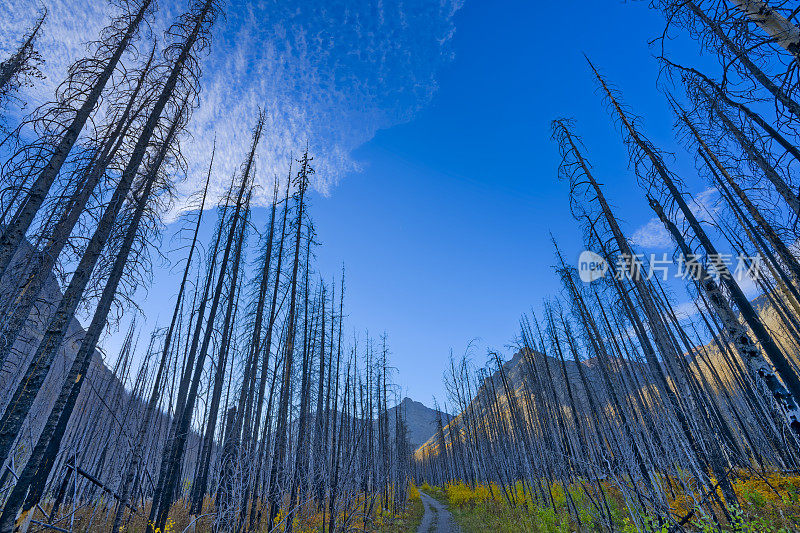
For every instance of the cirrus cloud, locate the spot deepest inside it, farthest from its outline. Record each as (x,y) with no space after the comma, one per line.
(653,234)
(328,73)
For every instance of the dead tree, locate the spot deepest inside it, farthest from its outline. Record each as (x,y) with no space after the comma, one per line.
(197,27)
(277,472)
(736,332)
(273,313)
(30,282)
(173,453)
(132,469)
(712,34)
(23,66)
(776,26)
(121,33)
(50,439)
(199,486)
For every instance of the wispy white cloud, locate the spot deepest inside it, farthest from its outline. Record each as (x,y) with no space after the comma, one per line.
(654,235)
(63,39)
(330,73)
(688,309)
(685,310)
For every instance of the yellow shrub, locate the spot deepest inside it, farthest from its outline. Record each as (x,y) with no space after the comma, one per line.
(481,493)
(774,489)
(459,494)
(413,492)
(559,495)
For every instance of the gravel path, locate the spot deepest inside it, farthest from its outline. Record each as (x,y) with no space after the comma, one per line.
(437,519)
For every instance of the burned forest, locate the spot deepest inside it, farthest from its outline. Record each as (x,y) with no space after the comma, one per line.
(248,398)
(250,405)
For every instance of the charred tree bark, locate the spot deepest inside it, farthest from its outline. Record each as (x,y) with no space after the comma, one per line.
(277,473)
(14,233)
(37,469)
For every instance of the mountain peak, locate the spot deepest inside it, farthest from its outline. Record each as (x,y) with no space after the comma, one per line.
(420,420)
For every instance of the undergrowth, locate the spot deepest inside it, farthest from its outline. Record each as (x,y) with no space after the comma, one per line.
(309,520)
(767,504)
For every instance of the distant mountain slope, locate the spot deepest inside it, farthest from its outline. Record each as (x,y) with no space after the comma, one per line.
(634,375)
(550,370)
(420,421)
(105,407)
(25,347)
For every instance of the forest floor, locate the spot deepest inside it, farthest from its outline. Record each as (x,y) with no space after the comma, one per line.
(768,503)
(88,518)
(437,518)
(408,521)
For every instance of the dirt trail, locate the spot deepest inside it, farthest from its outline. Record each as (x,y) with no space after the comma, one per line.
(437,519)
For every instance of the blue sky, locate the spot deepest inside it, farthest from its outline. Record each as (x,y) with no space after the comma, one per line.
(446,230)
(437,177)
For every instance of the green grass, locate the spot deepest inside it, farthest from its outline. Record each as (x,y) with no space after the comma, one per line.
(494,516)
(763,511)
(407,522)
